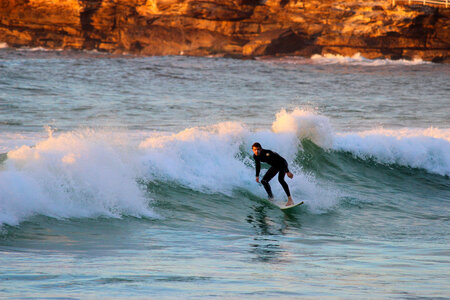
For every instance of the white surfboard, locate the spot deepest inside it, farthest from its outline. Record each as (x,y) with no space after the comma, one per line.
(284,207)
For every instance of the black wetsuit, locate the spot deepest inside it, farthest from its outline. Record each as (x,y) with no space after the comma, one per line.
(277,165)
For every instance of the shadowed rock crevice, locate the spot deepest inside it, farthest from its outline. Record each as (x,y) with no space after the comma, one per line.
(90,8)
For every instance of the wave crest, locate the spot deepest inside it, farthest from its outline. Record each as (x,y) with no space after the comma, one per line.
(427,149)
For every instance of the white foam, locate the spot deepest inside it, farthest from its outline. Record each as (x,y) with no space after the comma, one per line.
(77,174)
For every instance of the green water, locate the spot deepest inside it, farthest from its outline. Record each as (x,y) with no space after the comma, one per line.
(142,186)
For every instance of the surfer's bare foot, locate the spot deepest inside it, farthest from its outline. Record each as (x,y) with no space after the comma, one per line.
(290,202)
(271,199)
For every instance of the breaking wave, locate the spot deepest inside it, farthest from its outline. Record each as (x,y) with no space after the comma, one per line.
(91,173)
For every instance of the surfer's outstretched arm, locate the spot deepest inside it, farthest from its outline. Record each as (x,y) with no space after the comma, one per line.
(258,167)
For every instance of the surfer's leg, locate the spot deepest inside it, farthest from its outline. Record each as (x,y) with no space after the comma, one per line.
(265,181)
(285,187)
(283,183)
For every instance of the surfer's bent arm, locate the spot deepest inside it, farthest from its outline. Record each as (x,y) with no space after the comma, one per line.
(286,168)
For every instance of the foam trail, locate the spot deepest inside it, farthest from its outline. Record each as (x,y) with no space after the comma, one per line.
(76,174)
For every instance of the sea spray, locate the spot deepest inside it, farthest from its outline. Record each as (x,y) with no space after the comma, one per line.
(305,125)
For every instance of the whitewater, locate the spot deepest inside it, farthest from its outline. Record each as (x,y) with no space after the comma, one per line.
(129,177)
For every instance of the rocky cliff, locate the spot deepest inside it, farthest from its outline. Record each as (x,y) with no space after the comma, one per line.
(241,28)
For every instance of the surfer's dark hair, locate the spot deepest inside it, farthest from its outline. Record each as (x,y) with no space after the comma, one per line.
(256,145)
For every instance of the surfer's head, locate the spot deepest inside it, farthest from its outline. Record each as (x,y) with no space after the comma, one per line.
(256,148)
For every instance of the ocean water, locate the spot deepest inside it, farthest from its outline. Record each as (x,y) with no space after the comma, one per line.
(132,177)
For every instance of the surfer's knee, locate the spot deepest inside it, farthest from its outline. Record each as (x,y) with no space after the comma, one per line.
(264,182)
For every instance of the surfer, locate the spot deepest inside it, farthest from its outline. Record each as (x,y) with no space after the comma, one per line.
(277,165)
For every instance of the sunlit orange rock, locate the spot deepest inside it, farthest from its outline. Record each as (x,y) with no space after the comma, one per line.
(239,28)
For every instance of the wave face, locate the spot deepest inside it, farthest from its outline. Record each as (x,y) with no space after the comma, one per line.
(91,173)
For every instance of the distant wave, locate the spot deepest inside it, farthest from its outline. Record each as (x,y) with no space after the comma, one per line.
(41,49)
(357,60)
